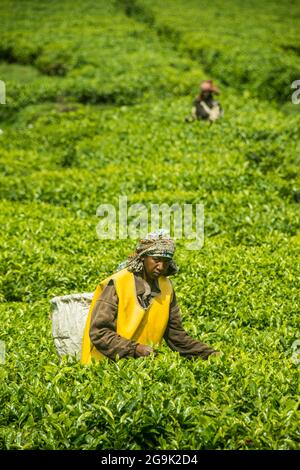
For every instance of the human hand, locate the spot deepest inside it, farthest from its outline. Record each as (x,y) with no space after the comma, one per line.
(143,350)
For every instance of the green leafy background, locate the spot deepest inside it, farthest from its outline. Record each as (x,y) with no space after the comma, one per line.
(97,93)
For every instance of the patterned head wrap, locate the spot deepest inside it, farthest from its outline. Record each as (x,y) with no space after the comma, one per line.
(158,244)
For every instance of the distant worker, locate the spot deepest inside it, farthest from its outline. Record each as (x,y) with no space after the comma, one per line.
(205,106)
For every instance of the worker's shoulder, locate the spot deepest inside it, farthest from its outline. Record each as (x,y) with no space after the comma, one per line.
(113,278)
(167,282)
(123,273)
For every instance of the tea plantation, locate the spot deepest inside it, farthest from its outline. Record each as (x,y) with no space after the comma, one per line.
(96,98)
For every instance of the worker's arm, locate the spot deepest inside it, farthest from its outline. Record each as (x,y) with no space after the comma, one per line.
(179,340)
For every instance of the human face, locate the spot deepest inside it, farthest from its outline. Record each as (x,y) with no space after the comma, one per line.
(155,266)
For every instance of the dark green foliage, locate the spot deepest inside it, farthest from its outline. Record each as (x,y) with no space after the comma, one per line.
(243,45)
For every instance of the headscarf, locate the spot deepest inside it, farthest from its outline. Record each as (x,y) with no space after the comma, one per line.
(158,243)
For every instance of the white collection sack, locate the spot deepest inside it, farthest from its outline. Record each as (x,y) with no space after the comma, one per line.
(69,314)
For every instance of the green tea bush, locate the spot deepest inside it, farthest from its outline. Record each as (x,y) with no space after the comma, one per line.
(264,59)
(96,109)
(105,63)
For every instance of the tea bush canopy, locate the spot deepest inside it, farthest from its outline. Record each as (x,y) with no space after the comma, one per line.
(96,96)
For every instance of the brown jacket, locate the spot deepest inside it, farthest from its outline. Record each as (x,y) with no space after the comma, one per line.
(104,317)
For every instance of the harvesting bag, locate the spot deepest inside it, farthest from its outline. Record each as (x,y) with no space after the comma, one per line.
(69,314)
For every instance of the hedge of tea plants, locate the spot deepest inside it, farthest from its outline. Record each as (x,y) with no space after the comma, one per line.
(97,95)
(243,44)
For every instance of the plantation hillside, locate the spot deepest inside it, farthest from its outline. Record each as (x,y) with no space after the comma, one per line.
(96,98)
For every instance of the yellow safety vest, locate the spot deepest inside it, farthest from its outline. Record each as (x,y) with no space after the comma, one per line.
(145,326)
